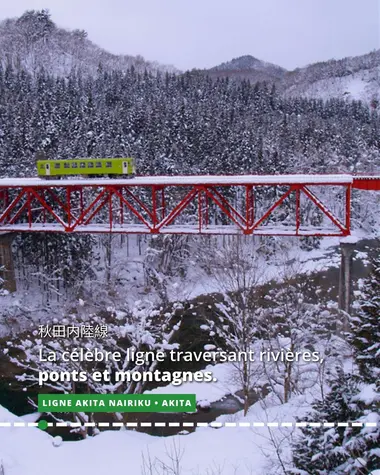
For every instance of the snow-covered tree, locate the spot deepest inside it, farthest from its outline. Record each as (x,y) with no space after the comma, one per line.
(352,450)
(290,323)
(141,329)
(319,450)
(365,327)
(237,316)
(235,267)
(353,398)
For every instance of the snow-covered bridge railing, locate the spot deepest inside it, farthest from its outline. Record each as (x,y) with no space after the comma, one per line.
(293,205)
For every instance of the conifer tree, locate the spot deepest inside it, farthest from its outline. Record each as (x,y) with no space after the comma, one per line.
(319,450)
(365,328)
(353,398)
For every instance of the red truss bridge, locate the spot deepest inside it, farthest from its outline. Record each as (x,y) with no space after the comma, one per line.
(274,205)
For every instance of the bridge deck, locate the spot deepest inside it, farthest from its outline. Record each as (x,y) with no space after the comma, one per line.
(369,182)
(180,229)
(224,180)
(273,205)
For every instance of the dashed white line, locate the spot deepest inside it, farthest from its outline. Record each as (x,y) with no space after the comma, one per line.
(213,424)
(301,424)
(314,424)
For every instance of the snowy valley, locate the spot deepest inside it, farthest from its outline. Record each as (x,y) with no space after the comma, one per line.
(64,96)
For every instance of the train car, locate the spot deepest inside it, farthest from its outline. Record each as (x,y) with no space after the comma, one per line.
(97,167)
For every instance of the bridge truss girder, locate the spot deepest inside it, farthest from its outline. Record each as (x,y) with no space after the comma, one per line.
(273,209)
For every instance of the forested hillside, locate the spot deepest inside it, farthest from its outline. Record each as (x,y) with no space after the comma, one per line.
(174,124)
(33,42)
(180,124)
(249,68)
(347,78)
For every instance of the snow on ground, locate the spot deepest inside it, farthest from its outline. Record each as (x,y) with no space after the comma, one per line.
(362,85)
(226,450)
(128,269)
(356,88)
(20,447)
(242,450)
(25,452)
(294,260)
(33,417)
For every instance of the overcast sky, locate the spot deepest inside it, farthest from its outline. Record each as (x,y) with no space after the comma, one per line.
(204,33)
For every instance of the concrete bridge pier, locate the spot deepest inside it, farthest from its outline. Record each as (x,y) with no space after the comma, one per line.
(347,248)
(7,272)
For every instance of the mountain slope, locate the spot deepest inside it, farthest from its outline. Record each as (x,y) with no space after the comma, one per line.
(352,78)
(248,67)
(33,41)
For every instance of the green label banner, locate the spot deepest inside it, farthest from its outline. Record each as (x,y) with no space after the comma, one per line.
(117,403)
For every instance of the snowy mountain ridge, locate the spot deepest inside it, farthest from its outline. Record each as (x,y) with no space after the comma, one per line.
(353,77)
(248,68)
(356,78)
(34,42)
(249,62)
(363,85)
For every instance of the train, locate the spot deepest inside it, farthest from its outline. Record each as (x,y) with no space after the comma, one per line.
(87,167)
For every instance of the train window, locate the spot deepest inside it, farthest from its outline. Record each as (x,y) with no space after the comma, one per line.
(90,165)
(42,166)
(74,165)
(82,164)
(108,164)
(66,165)
(57,165)
(98,164)
(125,164)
